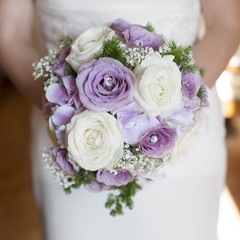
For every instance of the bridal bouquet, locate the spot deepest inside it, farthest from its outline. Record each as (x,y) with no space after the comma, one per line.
(121,101)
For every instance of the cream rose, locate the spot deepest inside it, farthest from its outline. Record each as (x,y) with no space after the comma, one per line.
(158,84)
(94,140)
(184,142)
(87,45)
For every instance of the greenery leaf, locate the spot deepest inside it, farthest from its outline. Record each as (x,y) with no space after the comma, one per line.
(121,197)
(202,92)
(67,190)
(202,72)
(82,178)
(150,27)
(182,56)
(70,70)
(113,48)
(64,41)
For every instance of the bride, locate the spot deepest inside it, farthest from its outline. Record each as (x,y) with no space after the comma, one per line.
(182,206)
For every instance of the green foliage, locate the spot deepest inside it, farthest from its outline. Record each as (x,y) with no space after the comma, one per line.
(65,40)
(202,72)
(70,70)
(82,178)
(150,27)
(182,56)
(122,196)
(202,92)
(112,48)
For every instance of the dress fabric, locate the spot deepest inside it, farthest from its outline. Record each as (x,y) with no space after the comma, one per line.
(181,206)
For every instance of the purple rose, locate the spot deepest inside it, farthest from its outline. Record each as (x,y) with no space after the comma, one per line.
(119,26)
(59,65)
(180,117)
(105,85)
(139,37)
(191,84)
(158,142)
(127,112)
(61,116)
(66,99)
(97,187)
(69,83)
(137,127)
(61,157)
(64,94)
(122,177)
(57,93)
(135,124)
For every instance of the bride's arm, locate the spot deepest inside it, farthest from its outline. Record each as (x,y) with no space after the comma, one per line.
(222,18)
(16,46)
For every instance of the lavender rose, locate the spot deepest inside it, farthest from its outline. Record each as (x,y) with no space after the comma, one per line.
(64,94)
(105,85)
(139,37)
(158,142)
(137,127)
(61,158)
(122,177)
(97,187)
(191,84)
(119,26)
(59,66)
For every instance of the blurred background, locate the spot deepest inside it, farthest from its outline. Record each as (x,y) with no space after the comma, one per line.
(19,217)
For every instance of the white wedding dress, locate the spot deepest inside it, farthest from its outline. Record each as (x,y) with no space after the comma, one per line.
(181,206)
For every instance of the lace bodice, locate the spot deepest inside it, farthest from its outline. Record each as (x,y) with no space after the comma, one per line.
(176,19)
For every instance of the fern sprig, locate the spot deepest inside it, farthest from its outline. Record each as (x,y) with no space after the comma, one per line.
(65,40)
(182,56)
(202,72)
(113,48)
(121,197)
(82,178)
(202,92)
(150,27)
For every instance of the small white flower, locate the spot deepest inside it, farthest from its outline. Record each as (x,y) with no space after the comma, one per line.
(94,140)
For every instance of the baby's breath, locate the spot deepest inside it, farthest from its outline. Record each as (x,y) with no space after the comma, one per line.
(43,67)
(137,55)
(65,41)
(64,180)
(135,161)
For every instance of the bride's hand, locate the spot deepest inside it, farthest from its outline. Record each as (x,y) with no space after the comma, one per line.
(221,39)
(16,46)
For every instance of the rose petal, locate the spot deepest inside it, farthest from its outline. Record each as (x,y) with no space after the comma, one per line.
(137,127)
(61,157)
(97,187)
(69,83)
(62,115)
(56,93)
(120,25)
(121,177)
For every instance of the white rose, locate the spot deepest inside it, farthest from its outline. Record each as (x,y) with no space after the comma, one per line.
(94,140)
(87,45)
(184,142)
(158,84)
